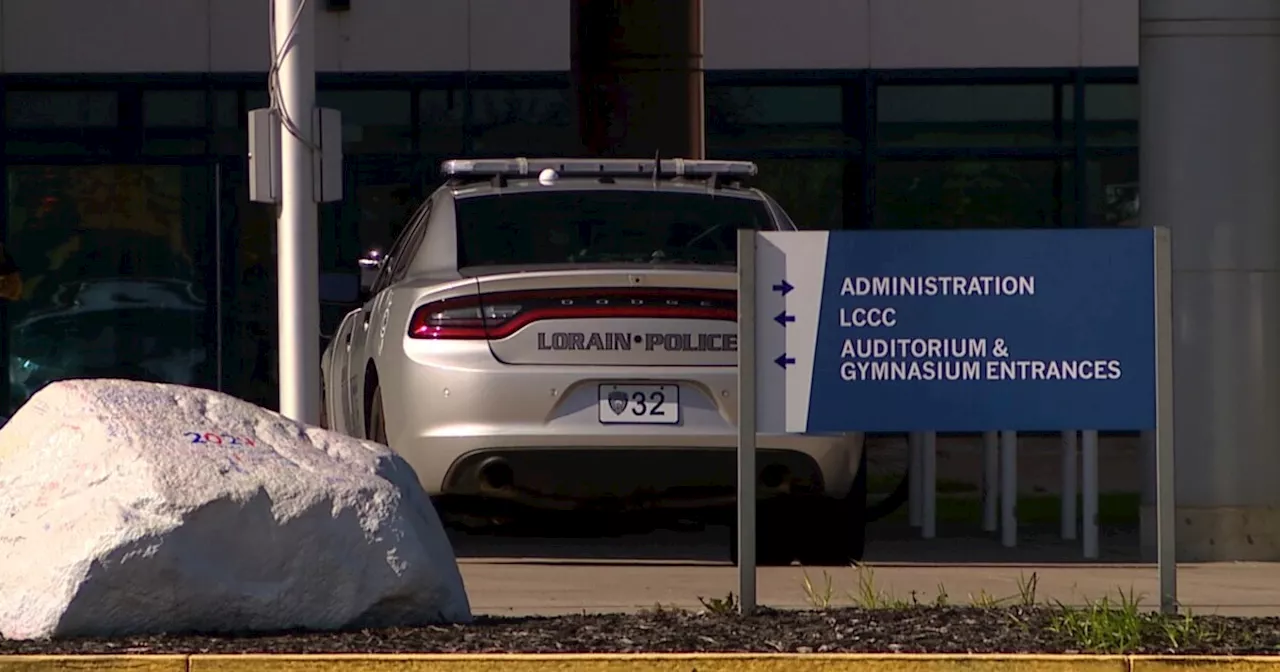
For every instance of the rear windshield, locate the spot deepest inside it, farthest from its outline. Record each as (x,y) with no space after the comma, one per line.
(574,227)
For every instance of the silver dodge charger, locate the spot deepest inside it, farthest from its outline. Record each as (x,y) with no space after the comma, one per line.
(559,334)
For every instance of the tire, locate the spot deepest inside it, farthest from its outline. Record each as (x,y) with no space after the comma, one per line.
(816,531)
(834,531)
(377,431)
(776,538)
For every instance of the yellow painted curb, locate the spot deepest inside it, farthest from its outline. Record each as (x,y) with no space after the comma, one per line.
(1206,664)
(176,663)
(639,663)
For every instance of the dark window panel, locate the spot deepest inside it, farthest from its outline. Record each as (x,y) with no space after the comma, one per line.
(372,121)
(1113,191)
(775,117)
(810,190)
(175,109)
(440,122)
(61,109)
(969,194)
(522,122)
(129,235)
(965,115)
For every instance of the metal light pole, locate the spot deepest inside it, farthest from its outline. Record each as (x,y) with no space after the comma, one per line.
(293,82)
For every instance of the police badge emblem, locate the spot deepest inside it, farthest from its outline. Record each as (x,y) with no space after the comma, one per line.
(618,401)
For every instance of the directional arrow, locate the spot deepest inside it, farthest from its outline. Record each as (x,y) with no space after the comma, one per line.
(783,288)
(783,318)
(783,360)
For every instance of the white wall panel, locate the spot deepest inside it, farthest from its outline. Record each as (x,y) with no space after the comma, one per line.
(1110,33)
(239,29)
(520,35)
(395,36)
(974,33)
(80,36)
(111,36)
(781,34)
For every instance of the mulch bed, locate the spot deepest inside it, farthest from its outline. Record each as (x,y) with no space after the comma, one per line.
(913,630)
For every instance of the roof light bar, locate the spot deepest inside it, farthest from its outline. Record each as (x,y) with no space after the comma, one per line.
(518,167)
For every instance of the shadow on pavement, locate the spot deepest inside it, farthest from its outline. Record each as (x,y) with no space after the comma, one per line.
(647,539)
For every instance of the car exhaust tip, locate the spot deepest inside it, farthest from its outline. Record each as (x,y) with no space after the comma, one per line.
(774,476)
(495,473)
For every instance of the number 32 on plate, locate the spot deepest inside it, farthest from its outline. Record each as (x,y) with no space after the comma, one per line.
(639,404)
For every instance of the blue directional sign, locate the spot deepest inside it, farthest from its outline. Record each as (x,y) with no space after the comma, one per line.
(956,330)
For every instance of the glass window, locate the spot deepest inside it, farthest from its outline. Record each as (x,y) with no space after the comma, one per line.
(114,262)
(372,121)
(174,109)
(380,196)
(810,190)
(774,117)
(249,289)
(230,132)
(969,194)
(440,116)
(1112,114)
(965,115)
(61,109)
(522,122)
(1113,192)
(571,227)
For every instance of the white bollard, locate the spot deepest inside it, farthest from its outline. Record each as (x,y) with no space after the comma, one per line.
(1070,460)
(1009,489)
(914,469)
(990,481)
(1089,505)
(929,484)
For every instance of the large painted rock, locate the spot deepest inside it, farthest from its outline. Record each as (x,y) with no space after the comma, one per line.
(138,508)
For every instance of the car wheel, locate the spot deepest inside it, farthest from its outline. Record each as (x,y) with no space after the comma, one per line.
(377,420)
(776,538)
(833,532)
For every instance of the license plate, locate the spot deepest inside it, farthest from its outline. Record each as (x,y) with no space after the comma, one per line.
(640,404)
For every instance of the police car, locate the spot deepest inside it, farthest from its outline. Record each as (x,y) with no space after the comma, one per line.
(559,334)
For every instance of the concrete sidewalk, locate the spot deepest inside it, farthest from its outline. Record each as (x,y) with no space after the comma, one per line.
(551,576)
(500,587)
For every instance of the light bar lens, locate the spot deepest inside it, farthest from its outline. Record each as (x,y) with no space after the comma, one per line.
(602,167)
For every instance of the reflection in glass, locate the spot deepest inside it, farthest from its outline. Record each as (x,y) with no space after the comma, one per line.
(112,261)
(965,115)
(1113,192)
(743,118)
(521,122)
(372,121)
(61,109)
(966,194)
(810,190)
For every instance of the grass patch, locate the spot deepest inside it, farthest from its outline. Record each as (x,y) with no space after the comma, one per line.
(1106,625)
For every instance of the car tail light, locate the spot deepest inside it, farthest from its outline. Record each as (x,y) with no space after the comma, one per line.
(498,315)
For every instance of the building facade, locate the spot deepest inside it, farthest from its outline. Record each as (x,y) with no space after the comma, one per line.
(126,199)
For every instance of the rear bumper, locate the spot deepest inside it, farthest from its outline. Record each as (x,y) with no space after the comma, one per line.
(452,413)
(684,472)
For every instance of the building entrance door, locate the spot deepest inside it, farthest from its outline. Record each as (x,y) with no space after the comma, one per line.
(120,268)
